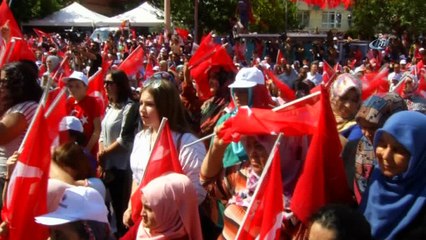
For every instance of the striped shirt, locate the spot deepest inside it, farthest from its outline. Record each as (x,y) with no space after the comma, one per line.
(27,109)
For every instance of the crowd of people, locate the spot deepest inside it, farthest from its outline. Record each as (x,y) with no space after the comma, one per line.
(102,153)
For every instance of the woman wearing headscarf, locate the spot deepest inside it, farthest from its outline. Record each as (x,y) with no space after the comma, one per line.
(359,154)
(414,100)
(395,201)
(52,65)
(170,209)
(345,94)
(248,89)
(234,185)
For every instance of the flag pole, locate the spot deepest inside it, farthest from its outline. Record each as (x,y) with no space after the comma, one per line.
(296,101)
(95,74)
(206,56)
(199,140)
(159,132)
(55,102)
(130,55)
(259,184)
(13,43)
(30,126)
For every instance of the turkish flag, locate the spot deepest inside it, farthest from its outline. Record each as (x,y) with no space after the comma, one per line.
(96,88)
(163,158)
(265,214)
(287,93)
(183,33)
(15,50)
(328,72)
(6,15)
(149,71)
(323,179)
(375,82)
(27,191)
(294,119)
(217,57)
(133,62)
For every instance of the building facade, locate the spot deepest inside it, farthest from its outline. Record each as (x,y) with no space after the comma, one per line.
(316,19)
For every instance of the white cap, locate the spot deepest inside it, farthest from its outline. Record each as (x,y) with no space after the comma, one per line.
(77,76)
(359,69)
(320,64)
(247,78)
(77,203)
(70,123)
(156,68)
(421,49)
(335,38)
(403,61)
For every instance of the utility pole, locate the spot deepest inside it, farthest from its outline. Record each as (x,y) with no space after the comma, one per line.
(167,15)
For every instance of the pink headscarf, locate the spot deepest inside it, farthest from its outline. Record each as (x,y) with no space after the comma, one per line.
(173,199)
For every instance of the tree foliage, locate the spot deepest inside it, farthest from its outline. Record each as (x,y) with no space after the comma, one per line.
(216,14)
(26,10)
(389,16)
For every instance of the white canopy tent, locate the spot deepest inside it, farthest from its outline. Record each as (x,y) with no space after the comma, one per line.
(74,15)
(145,15)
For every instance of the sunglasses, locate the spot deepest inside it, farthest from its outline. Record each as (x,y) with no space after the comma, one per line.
(108,83)
(154,83)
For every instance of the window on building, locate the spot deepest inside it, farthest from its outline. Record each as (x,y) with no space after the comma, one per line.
(303,18)
(331,20)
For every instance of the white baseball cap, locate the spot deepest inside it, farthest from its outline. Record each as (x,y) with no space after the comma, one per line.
(70,123)
(77,203)
(247,78)
(77,76)
(403,61)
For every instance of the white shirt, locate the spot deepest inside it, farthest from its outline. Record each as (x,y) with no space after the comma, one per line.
(190,158)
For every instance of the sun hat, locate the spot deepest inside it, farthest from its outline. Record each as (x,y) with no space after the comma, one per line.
(77,204)
(76,75)
(247,78)
(70,123)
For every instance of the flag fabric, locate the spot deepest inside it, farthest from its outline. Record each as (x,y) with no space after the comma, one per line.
(95,88)
(27,191)
(164,158)
(149,70)
(133,62)
(207,45)
(287,93)
(264,216)
(15,50)
(42,34)
(279,57)
(375,82)
(323,178)
(299,118)
(183,33)
(208,55)
(6,16)
(327,3)
(328,72)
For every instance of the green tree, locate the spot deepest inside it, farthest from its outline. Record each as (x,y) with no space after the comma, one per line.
(26,10)
(389,16)
(216,15)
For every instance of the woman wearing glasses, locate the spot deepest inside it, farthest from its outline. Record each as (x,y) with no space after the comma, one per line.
(160,98)
(116,140)
(19,96)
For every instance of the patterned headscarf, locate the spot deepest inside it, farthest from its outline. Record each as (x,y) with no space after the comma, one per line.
(375,110)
